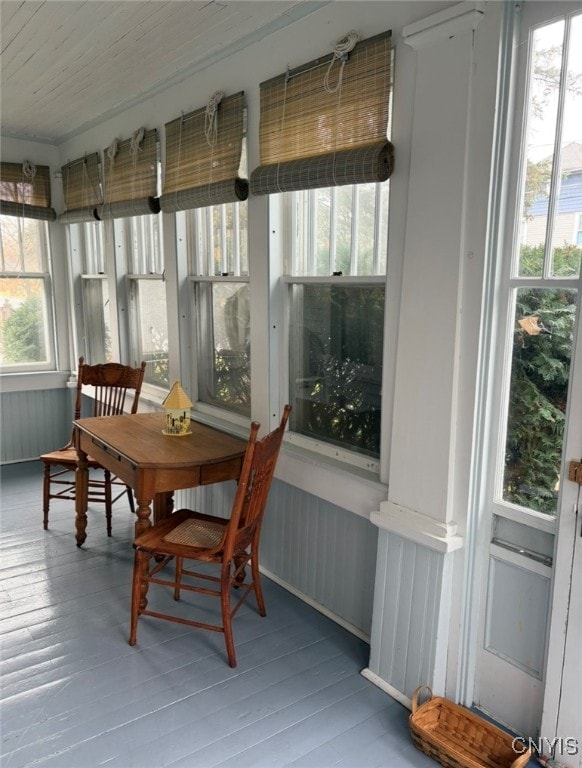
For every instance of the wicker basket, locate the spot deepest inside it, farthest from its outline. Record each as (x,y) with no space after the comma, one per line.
(457,738)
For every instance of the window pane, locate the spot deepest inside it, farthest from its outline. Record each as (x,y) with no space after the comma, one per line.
(566,250)
(223,358)
(542,346)
(23,321)
(23,244)
(94,253)
(145,244)
(340,229)
(151,329)
(217,240)
(97,320)
(343,233)
(336,340)
(552,197)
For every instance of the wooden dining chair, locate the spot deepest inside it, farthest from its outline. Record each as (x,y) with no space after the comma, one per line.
(112,384)
(228,543)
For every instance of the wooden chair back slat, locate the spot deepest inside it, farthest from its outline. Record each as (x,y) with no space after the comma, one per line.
(253,487)
(112,384)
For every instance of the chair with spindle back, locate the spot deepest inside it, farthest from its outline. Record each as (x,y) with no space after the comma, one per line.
(230,544)
(112,384)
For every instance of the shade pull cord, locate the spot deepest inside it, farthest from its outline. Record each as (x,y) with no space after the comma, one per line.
(210,122)
(28,172)
(136,142)
(341,49)
(28,169)
(112,150)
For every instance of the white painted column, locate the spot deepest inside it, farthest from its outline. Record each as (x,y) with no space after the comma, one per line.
(417,532)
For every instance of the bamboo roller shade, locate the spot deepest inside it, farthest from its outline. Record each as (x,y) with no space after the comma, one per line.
(130,178)
(81,189)
(197,174)
(23,195)
(312,138)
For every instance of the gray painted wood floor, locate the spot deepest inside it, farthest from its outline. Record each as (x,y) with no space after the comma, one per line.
(76,695)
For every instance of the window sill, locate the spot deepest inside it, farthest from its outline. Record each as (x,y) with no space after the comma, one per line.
(357,490)
(33,380)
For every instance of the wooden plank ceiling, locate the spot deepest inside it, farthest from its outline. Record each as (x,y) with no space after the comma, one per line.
(65,64)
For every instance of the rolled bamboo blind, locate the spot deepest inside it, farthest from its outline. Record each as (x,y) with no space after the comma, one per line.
(312,136)
(25,190)
(130,177)
(81,189)
(199,173)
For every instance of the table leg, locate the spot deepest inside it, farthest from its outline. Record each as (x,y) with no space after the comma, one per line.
(144,514)
(81,497)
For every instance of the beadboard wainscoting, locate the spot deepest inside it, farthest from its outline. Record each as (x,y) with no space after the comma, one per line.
(33,422)
(410,607)
(321,552)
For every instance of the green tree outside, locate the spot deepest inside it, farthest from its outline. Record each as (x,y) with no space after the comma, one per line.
(542,347)
(22,334)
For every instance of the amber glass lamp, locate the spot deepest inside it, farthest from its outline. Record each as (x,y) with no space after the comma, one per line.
(177,405)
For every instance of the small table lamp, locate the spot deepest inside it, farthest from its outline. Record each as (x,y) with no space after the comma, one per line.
(177,405)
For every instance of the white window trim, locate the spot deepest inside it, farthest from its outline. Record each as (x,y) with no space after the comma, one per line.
(46,274)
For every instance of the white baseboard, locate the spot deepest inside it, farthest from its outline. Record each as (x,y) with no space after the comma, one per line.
(386,687)
(318,606)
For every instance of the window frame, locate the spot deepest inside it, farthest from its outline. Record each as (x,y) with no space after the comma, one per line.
(316,445)
(88,245)
(45,276)
(195,246)
(127,259)
(510,282)
(286,206)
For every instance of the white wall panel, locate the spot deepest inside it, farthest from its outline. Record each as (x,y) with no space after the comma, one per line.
(408,601)
(33,422)
(319,550)
(517,611)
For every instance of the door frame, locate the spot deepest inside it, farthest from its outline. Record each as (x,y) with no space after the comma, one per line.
(562,715)
(480,512)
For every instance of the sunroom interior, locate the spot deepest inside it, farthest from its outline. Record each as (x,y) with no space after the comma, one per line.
(422,501)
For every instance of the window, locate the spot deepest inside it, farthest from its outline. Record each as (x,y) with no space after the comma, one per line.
(324,155)
(545,272)
(335,291)
(216,243)
(25,290)
(95,292)
(148,322)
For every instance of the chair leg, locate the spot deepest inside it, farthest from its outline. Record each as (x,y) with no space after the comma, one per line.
(239,560)
(139,589)
(179,566)
(225,582)
(46,497)
(130,499)
(108,502)
(256,577)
